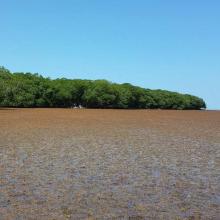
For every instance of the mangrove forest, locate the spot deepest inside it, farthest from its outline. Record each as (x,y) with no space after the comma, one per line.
(33,90)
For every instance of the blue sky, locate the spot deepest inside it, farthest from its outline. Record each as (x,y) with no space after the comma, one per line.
(173,45)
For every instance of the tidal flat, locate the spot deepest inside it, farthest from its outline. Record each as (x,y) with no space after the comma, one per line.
(109,164)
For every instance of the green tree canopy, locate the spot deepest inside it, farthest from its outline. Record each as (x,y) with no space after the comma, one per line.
(33,90)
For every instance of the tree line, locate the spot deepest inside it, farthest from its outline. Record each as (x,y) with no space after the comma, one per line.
(33,90)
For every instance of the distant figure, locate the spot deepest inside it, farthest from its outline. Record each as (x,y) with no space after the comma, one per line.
(76,106)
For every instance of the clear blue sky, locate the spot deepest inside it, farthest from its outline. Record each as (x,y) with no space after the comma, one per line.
(170,44)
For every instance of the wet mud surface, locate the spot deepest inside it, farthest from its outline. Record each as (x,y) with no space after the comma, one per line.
(109,164)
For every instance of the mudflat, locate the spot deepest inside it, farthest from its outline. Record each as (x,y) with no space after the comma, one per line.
(109,164)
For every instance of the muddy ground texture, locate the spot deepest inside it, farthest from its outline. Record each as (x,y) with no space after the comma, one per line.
(109,164)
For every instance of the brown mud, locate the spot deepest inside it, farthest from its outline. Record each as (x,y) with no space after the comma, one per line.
(109,164)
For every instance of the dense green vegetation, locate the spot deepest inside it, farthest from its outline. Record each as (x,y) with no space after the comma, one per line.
(33,90)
